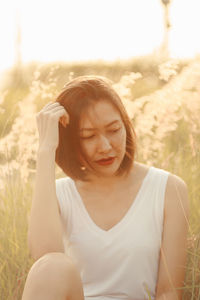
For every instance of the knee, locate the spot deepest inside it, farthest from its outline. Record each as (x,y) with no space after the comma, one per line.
(53,268)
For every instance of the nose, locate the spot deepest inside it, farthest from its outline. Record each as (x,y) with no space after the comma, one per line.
(104,144)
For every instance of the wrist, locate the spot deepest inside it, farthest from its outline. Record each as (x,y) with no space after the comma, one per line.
(45,150)
(46,156)
(45,162)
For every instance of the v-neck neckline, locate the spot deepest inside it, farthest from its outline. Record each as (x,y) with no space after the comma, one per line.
(119,225)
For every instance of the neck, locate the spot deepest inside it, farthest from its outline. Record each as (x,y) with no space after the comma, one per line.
(104,184)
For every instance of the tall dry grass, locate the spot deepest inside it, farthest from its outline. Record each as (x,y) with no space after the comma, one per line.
(166,118)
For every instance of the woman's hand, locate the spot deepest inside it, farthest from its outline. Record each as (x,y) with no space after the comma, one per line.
(47,123)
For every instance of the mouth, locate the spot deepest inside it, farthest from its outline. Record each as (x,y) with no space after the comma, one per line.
(106,161)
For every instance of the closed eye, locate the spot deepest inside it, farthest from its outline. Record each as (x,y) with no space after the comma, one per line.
(87,137)
(115,130)
(92,136)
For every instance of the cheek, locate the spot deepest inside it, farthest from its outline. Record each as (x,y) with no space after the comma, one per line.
(119,141)
(88,148)
(123,141)
(122,137)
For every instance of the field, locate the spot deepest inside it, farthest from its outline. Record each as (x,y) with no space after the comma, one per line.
(163,101)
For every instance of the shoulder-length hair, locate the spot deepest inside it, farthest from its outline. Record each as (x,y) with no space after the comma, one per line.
(77,96)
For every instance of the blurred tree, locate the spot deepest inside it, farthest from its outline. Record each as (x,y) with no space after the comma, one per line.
(17,71)
(167,26)
(18,41)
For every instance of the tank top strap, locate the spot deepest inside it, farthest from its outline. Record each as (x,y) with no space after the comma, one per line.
(65,197)
(155,191)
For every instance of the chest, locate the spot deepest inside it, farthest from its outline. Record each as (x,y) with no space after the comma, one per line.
(109,208)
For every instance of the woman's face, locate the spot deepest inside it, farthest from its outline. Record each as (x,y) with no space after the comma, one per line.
(103,137)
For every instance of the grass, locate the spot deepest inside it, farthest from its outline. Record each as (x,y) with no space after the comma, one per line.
(14,256)
(180,156)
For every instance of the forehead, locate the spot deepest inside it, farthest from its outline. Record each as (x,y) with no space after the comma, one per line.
(100,114)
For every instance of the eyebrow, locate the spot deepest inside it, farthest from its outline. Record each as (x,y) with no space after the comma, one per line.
(109,124)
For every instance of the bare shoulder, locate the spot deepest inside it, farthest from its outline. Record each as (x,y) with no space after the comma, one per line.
(175,182)
(176,196)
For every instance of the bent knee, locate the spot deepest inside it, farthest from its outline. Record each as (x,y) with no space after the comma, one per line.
(53,266)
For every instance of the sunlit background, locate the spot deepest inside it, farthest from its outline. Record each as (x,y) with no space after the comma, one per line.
(149,49)
(74,30)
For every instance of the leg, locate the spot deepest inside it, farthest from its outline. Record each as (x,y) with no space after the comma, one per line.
(53,277)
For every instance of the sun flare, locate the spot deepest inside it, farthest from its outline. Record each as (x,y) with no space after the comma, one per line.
(87,30)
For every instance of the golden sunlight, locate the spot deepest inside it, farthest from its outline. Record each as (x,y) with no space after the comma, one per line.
(86,30)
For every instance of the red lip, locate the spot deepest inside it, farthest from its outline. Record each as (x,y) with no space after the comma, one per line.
(106,161)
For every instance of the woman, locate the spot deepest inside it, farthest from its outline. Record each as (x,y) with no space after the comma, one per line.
(113,228)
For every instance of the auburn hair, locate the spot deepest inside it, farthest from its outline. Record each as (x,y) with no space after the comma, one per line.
(76,97)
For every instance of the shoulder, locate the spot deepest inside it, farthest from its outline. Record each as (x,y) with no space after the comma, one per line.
(176,196)
(176,193)
(142,169)
(175,182)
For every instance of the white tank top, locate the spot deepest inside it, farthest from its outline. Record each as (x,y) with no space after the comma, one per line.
(121,263)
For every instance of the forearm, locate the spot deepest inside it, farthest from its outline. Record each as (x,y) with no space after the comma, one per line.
(45,229)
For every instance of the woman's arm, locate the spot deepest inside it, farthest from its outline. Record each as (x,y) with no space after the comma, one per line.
(173,253)
(45,228)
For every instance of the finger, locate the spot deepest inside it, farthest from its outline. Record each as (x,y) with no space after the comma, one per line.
(55,115)
(65,116)
(55,109)
(47,117)
(48,110)
(64,120)
(49,106)
(62,116)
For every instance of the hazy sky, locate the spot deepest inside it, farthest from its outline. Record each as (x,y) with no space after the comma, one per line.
(95,29)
